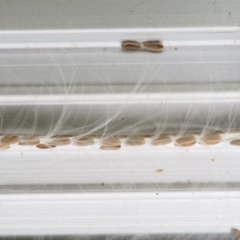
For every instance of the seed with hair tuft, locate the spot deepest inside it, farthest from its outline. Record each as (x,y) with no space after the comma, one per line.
(211,139)
(162,140)
(186,141)
(111,144)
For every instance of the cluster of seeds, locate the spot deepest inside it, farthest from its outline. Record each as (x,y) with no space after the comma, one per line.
(115,143)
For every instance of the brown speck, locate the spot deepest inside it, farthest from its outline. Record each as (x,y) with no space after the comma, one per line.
(159,170)
(213,160)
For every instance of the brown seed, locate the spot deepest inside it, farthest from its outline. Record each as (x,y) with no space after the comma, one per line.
(186,141)
(85,141)
(10,139)
(29,141)
(60,141)
(135,141)
(45,146)
(131,45)
(110,148)
(162,140)
(153,46)
(111,144)
(236,233)
(4,146)
(212,139)
(235,142)
(159,170)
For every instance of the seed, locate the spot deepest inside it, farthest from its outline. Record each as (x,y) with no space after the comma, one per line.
(212,139)
(10,139)
(60,141)
(159,170)
(131,45)
(186,141)
(111,144)
(104,147)
(4,146)
(45,146)
(86,141)
(135,141)
(236,233)
(153,46)
(162,140)
(235,142)
(29,141)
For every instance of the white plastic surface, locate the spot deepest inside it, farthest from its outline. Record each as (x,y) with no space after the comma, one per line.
(90,165)
(105,14)
(119,213)
(63,72)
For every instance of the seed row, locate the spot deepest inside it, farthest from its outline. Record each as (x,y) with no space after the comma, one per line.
(115,143)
